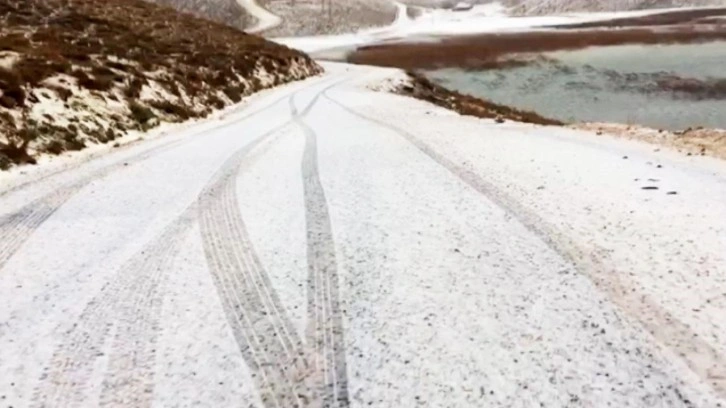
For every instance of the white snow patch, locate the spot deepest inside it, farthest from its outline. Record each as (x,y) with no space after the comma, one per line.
(51,164)
(153,91)
(265,19)
(8,59)
(487,18)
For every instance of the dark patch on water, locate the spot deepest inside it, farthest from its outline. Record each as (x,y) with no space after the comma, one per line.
(670,86)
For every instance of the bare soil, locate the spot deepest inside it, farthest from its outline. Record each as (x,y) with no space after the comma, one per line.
(691,142)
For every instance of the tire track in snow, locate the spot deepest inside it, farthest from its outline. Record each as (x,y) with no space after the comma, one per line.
(266,337)
(128,306)
(18,226)
(129,380)
(246,115)
(702,358)
(325,324)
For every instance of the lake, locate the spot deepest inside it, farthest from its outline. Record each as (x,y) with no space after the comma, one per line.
(662,86)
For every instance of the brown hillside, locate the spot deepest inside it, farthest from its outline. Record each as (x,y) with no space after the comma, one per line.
(227,12)
(74,72)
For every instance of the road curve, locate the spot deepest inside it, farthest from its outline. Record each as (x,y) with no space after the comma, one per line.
(334,246)
(265,19)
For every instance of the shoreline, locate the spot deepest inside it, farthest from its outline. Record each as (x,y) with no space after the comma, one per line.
(698,141)
(487,51)
(693,141)
(514,49)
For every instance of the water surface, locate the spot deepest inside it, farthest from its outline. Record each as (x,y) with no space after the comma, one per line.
(635,84)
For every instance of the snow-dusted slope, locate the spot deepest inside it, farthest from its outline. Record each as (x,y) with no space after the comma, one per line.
(331,245)
(143,65)
(265,19)
(530,7)
(483,18)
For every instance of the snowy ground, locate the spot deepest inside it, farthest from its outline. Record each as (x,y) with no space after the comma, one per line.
(485,18)
(264,19)
(332,245)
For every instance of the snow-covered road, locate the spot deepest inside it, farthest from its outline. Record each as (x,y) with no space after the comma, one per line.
(334,246)
(265,19)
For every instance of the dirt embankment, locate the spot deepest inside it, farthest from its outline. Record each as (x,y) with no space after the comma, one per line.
(692,141)
(420,87)
(697,141)
(78,72)
(227,12)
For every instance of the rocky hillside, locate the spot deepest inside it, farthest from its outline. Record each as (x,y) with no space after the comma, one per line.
(227,12)
(311,17)
(300,17)
(78,72)
(559,6)
(314,17)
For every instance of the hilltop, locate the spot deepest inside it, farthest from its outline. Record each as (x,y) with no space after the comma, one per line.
(299,17)
(529,7)
(537,7)
(316,17)
(79,72)
(228,12)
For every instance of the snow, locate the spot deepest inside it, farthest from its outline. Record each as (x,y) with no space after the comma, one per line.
(486,18)
(265,19)
(129,144)
(666,249)
(8,59)
(479,264)
(325,42)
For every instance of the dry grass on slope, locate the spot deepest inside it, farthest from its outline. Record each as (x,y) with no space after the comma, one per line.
(309,17)
(74,72)
(536,7)
(227,12)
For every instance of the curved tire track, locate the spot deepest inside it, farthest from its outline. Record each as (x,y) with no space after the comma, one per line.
(126,310)
(325,324)
(18,226)
(267,339)
(662,325)
(129,306)
(124,316)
